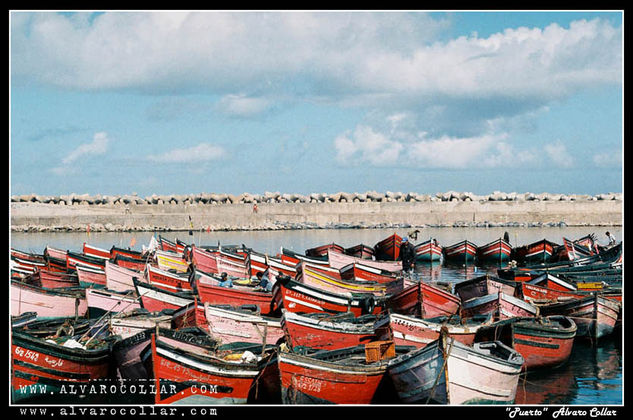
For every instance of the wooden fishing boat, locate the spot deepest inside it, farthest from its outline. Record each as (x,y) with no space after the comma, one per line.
(495,251)
(449,372)
(119,278)
(56,264)
(388,248)
(127,352)
(48,303)
(204,260)
(171,246)
(424,300)
(536,252)
(261,262)
(131,323)
(499,305)
(90,276)
(56,280)
(208,289)
(101,301)
(292,258)
(171,261)
(321,251)
(339,261)
(362,251)
(50,252)
(544,342)
(165,280)
(485,285)
(30,265)
(341,376)
(298,297)
(129,253)
(41,366)
(412,331)
(428,251)
(230,324)
(23,319)
(361,272)
(95,252)
(323,280)
(73,258)
(129,262)
(156,299)
(461,252)
(27,256)
(595,316)
(327,331)
(199,376)
(20,272)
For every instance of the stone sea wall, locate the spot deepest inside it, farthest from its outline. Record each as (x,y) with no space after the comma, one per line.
(212,211)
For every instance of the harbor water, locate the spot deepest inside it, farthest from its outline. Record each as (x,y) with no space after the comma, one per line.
(592,376)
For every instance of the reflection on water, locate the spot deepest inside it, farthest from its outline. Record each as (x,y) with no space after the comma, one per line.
(593,375)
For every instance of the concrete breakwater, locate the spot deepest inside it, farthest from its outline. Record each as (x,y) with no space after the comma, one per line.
(275,211)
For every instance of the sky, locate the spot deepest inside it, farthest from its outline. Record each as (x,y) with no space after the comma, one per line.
(182,102)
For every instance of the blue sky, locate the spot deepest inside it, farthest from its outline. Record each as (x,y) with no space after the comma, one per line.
(301,102)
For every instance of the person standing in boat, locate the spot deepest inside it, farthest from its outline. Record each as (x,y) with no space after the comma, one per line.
(611,239)
(407,254)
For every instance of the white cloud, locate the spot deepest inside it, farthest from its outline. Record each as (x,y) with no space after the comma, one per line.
(369,146)
(98,146)
(201,153)
(557,152)
(611,159)
(363,55)
(242,105)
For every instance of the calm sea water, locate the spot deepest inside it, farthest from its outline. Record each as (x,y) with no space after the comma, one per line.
(593,375)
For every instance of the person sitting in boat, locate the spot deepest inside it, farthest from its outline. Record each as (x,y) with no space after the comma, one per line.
(407,254)
(264,284)
(225,281)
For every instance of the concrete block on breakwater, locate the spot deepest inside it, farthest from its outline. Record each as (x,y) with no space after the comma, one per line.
(213,211)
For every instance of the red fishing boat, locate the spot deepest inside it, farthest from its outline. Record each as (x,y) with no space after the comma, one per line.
(544,342)
(130,263)
(50,252)
(101,301)
(56,280)
(171,246)
(495,251)
(485,285)
(499,305)
(424,300)
(321,251)
(536,252)
(342,376)
(90,276)
(41,366)
(208,289)
(298,297)
(129,253)
(338,260)
(327,331)
(73,258)
(204,260)
(428,251)
(388,248)
(156,299)
(293,258)
(168,281)
(461,252)
(412,331)
(199,376)
(95,252)
(361,251)
(361,272)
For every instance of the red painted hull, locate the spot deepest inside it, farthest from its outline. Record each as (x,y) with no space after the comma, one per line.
(167,281)
(495,251)
(305,380)
(464,251)
(435,301)
(54,280)
(321,251)
(155,299)
(542,347)
(324,332)
(90,276)
(389,248)
(188,377)
(234,296)
(297,297)
(93,251)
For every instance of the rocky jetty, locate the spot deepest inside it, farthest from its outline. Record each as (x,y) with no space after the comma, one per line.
(280,211)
